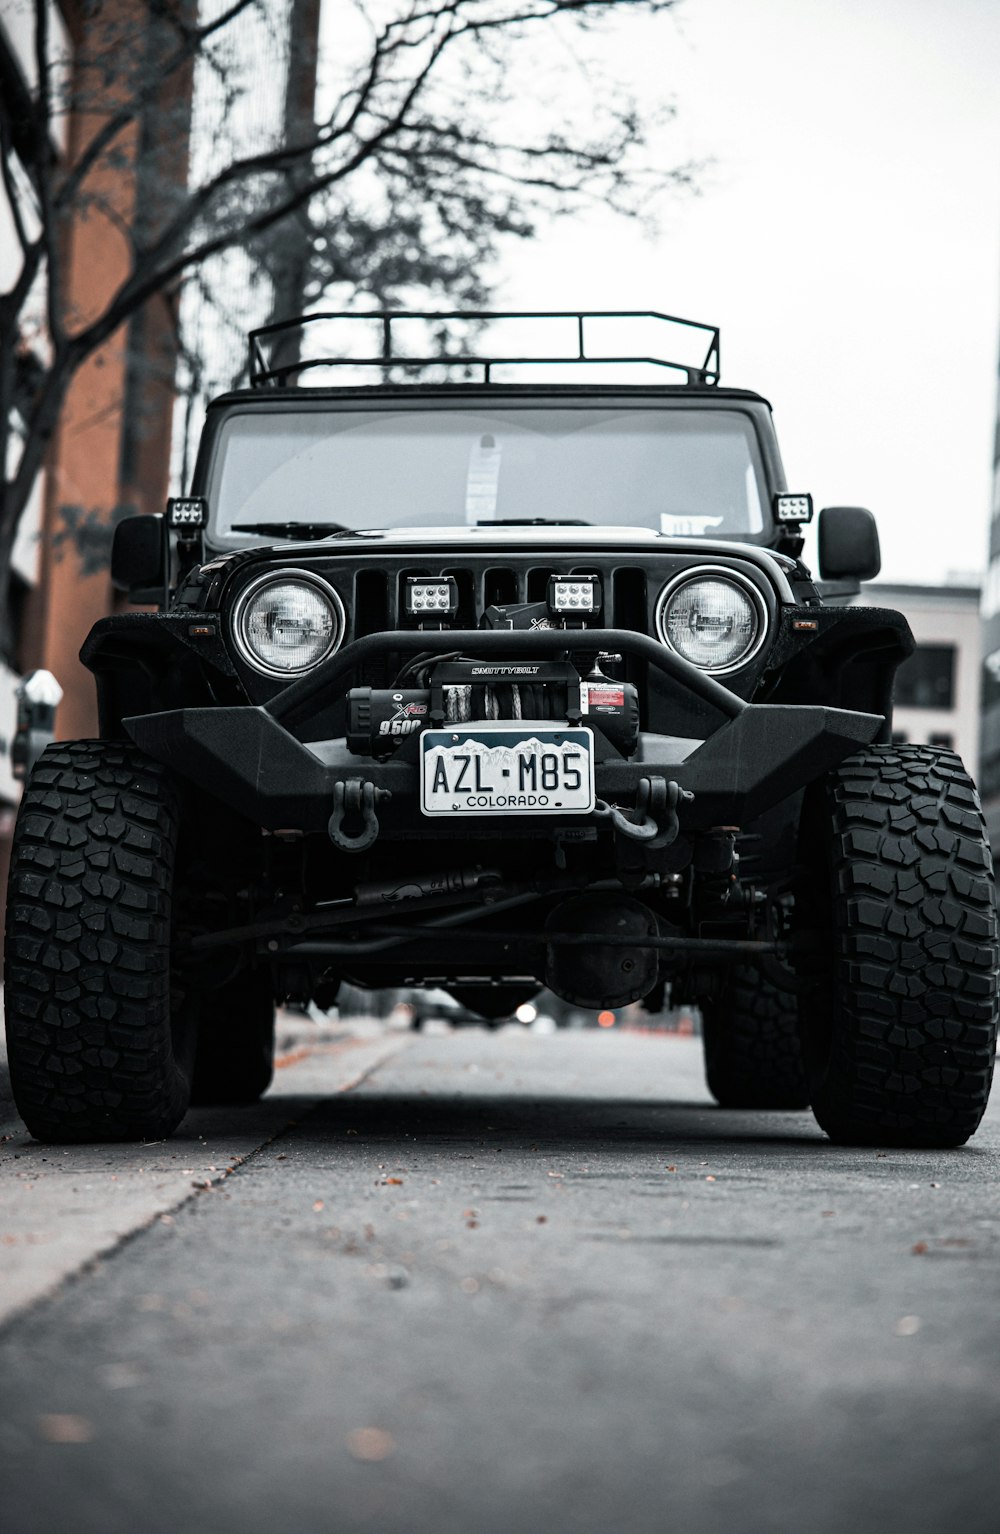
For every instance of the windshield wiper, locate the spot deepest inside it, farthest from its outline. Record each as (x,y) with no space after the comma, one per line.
(536,522)
(293,529)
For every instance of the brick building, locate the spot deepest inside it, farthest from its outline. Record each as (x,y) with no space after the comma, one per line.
(112,451)
(111,448)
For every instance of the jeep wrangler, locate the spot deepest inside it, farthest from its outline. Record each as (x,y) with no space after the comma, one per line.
(453,676)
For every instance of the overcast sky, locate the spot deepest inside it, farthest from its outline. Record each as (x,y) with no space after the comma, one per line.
(846,239)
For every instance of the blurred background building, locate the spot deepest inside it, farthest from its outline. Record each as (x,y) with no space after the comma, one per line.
(937,689)
(111,452)
(17,81)
(119,437)
(989,781)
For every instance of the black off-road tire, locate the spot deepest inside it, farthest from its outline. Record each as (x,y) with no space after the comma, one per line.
(750,1036)
(99,1047)
(899,1033)
(234,1062)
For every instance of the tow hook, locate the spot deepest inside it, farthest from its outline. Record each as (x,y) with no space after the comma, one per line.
(356,798)
(657,823)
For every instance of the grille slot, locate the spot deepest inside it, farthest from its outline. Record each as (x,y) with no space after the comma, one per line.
(500,587)
(371,603)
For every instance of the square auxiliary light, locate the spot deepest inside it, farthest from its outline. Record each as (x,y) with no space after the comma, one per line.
(793,508)
(434,597)
(187,513)
(574,596)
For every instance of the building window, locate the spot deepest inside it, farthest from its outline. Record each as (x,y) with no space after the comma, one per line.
(927,679)
(899,737)
(942,738)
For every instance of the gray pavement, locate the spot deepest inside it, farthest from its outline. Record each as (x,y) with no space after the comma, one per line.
(516,1283)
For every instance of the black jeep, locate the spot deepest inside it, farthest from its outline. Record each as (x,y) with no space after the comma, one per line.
(458,678)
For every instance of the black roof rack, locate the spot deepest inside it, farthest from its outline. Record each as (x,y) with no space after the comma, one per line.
(269,368)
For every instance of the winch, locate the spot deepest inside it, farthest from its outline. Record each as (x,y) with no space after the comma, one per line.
(463,691)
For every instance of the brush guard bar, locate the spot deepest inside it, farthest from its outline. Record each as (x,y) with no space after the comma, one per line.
(250,758)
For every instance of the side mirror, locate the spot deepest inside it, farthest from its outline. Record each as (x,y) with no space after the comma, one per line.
(138,556)
(848,544)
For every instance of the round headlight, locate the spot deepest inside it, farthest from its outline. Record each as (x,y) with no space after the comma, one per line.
(713,618)
(286,624)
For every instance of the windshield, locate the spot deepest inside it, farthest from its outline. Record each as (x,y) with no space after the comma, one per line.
(688,473)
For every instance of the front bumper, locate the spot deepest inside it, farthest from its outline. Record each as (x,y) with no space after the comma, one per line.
(249,757)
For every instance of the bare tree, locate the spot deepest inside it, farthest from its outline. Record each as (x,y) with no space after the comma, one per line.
(404,179)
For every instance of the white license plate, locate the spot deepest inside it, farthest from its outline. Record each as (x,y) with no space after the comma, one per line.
(492,769)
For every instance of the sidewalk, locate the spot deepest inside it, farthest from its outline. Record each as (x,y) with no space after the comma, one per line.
(63,1207)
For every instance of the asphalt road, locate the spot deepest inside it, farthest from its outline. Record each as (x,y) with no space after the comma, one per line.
(501,1283)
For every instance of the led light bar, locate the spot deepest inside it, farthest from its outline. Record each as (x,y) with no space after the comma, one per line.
(574,596)
(431,596)
(793,508)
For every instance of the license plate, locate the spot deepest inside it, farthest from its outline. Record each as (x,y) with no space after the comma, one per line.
(488,769)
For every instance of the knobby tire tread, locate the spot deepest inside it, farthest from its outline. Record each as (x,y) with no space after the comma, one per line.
(93,1056)
(751,1041)
(911,1015)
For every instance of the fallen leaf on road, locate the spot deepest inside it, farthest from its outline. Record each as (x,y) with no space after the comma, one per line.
(709,1179)
(370,1444)
(542,1219)
(65,1427)
(317,1206)
(918,1248)
(671,1169)
(392,1182)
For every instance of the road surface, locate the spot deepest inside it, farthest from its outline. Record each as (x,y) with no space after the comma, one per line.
(481,1283)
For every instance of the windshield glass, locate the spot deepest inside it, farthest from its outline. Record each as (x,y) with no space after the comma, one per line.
(683,472)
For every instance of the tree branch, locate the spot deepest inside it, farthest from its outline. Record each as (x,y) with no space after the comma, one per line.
(194,38)
(10,186)
(44,152)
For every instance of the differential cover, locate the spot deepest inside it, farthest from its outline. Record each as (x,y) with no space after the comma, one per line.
(596,974)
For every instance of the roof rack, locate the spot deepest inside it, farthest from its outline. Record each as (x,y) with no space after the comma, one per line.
(269,369)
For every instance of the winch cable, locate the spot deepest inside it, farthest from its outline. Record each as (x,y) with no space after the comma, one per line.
(458,705)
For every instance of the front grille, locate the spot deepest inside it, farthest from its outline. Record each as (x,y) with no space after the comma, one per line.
(378,593)
(378,600)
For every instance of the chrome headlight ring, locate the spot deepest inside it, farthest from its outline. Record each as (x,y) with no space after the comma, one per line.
(724,575)
(277,577)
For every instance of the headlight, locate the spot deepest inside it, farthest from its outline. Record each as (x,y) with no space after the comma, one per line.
(713,618)
(285,623)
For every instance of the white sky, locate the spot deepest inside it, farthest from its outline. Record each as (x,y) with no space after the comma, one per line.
(846,240)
